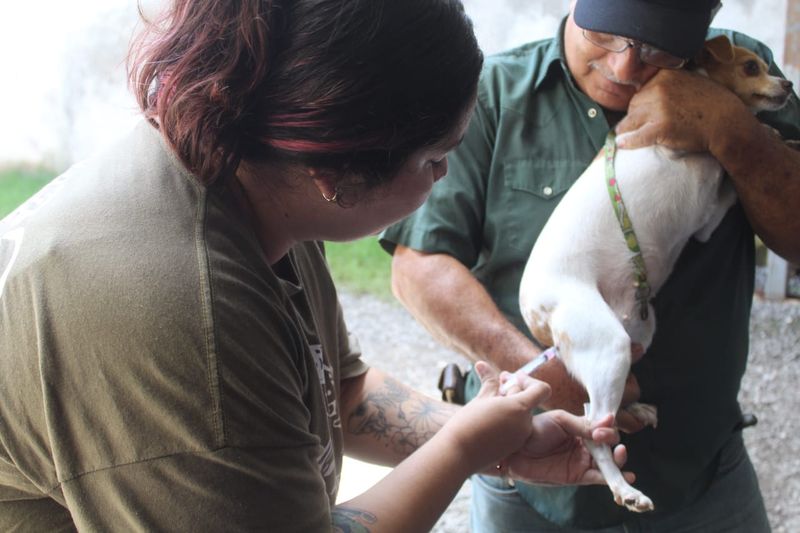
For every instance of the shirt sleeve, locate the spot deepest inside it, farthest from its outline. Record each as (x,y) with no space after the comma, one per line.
(451,220)
(350,362)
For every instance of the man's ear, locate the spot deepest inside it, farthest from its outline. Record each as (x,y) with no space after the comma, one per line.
(720,48)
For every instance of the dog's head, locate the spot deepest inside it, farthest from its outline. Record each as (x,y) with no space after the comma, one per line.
(744,73)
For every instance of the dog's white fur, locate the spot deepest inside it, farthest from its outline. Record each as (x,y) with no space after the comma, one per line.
(577,289)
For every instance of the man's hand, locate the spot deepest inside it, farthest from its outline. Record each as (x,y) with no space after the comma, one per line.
(680,110)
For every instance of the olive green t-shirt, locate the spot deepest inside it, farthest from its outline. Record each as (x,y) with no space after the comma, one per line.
(531,136)
(156,373)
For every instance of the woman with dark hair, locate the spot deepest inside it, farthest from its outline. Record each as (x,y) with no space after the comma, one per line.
(172,352)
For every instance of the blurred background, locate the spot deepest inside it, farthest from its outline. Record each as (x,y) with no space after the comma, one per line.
(64,91)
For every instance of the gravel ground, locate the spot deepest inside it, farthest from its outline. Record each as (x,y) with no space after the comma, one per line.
(769,390)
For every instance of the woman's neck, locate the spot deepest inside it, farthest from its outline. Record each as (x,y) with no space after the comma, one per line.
(271,212)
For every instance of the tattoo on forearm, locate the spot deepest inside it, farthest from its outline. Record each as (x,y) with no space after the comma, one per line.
(397,417)
(349,520)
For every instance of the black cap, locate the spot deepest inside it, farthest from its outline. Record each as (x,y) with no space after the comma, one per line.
(675,26)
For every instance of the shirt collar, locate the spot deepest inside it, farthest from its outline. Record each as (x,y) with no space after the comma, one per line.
(554,53)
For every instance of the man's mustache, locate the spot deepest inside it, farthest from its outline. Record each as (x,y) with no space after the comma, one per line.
(601,68)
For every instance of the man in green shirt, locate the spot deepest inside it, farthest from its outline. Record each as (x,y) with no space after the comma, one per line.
(543,112)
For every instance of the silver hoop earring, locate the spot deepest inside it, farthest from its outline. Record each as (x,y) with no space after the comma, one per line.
(334,198)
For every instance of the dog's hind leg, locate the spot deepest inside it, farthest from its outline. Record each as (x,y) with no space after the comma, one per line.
(624,493)
(596,349)
(645,413)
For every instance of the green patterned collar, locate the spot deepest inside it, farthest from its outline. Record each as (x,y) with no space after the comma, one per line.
(639,268)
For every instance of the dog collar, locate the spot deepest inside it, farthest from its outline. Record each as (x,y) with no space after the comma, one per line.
(639,268)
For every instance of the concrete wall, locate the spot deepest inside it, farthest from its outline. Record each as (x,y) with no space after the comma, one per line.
(504,23)
(63,92)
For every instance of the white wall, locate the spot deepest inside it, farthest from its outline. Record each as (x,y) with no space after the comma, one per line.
(64,89)
(63,92)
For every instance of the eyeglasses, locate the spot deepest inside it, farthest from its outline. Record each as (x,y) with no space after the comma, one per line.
(647,54)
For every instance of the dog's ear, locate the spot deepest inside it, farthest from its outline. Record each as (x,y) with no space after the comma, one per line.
(719,48)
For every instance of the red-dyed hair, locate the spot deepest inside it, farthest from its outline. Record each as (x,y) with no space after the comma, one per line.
(350,86)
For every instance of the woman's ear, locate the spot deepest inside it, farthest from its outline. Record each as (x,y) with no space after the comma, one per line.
(325,183)
(337,188)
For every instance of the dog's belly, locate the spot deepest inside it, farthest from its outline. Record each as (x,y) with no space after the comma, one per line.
(669,198)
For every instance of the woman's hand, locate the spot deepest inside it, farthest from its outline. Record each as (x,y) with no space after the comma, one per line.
(545,449)
(490,426)
(554,452)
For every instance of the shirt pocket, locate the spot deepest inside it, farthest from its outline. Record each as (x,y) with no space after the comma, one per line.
(532,188)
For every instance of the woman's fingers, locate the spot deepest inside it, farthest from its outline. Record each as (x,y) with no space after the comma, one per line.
(489,379)
(602,431)
(621,457)
(509,383)
(608,436)
(533,391)
(593,476)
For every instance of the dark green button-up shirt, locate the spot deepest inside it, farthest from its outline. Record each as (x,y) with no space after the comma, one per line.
(533,133)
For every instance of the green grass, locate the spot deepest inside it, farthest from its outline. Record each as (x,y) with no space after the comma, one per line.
(17,185)
(360,266)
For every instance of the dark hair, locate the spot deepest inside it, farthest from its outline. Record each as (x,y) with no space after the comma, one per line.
(350,86)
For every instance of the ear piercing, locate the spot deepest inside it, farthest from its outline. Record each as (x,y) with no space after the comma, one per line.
(334,197)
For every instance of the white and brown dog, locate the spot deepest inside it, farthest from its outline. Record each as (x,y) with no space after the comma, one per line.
(577,291)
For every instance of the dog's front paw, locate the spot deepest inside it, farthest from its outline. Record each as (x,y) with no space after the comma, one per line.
(645,413)
(634,500)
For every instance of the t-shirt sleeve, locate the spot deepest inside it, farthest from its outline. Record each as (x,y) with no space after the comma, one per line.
(451,220)
(230,489)
(350,362)
(264,474)
(218,441)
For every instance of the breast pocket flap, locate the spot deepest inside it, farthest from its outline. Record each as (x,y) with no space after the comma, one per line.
(545,179)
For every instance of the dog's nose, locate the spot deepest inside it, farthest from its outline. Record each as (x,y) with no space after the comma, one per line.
(787,85)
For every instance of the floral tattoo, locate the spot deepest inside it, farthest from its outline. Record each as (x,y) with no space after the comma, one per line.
(398,417)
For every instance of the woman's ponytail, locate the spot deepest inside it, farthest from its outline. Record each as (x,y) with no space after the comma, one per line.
(196,72)
(350,86)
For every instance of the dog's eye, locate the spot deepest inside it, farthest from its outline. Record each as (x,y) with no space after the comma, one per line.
(751,68)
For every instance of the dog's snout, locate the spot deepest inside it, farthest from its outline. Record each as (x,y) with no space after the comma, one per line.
(787,85)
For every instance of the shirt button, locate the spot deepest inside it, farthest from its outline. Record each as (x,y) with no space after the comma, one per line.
(547,191)
(592,112)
